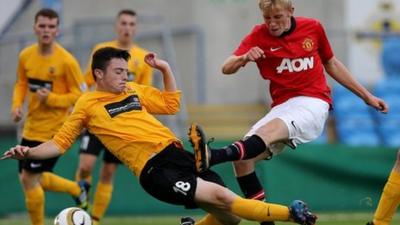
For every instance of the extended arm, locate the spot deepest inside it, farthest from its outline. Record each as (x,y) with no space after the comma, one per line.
(339,72)
(43,151)
(168,77)
(233,63)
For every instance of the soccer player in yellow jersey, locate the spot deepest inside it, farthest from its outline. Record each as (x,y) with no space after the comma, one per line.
(390,198)
(91,147)
(119,113)
(51,80)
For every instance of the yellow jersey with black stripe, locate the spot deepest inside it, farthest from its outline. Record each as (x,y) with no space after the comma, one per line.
(138,70)
(60,73)
(123,122)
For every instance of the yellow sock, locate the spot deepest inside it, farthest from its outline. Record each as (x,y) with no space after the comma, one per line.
(34,199)
(101,200)
(389,201)
(52,182)
(209,220)
(259,211)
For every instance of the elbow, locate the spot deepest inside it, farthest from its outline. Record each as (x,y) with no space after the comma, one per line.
(226,70)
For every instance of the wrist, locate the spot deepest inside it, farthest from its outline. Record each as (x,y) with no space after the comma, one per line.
(244,60)
(26,155)
(166,70)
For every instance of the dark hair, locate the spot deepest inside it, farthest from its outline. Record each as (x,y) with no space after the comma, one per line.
(49,13)
(127,12)
(102,57)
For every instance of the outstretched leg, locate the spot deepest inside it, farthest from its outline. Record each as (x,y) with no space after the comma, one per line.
(222,199)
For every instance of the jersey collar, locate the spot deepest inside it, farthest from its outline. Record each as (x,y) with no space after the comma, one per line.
(291,29)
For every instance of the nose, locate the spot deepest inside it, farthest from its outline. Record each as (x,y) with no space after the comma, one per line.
(125,76)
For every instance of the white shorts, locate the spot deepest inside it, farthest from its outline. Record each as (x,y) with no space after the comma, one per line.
(304,117)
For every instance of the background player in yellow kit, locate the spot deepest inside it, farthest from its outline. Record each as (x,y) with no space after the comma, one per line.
(390,198)
(91,147)
(51,80)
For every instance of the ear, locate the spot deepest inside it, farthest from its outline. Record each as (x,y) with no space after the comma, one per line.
(98,73)
(291,10)
(58,31)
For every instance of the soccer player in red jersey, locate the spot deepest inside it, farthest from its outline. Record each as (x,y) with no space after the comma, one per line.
(292,53)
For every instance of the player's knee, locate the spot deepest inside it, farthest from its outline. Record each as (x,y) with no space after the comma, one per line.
(223,198)
(85,170)
(28,180)
(107,172)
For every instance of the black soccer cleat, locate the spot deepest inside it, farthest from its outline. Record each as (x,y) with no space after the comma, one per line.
(370,223)
(202,153)
(267,223)
(300,213)
(187,221)
(82,201)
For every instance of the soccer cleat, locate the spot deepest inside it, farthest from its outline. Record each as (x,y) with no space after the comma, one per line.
(82,201)
(187,221)
(202,153)
(300,213)
(370,223)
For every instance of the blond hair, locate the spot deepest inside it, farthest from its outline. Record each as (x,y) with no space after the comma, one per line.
(268,4)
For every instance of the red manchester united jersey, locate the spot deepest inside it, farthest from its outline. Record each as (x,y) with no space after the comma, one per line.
(294,61)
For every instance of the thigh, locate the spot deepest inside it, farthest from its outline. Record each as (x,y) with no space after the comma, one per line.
(33,165)
(170,177)
(110,158)
(304,118)
(90,144)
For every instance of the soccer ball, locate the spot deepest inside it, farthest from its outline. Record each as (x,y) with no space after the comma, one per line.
(73,216)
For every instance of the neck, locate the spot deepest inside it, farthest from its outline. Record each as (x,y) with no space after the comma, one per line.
(289,25)
(126,45)
(46,49)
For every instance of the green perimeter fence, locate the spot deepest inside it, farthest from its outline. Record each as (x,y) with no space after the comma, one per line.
(328,177)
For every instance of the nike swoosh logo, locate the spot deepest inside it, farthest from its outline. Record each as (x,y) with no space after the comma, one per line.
(274,49)
(36,165)
(293,124)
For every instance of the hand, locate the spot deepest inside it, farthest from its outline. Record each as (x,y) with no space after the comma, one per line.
(254,54)
(16,114)
(152,60)
(42,94)
(377,103)
(18,152)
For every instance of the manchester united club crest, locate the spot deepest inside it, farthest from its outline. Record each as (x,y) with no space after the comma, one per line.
(308,44)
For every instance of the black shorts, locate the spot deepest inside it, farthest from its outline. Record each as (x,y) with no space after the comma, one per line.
(34,165)
(170,176)
(90,144)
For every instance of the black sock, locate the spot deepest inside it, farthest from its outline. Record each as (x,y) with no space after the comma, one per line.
(239,150)
(251,186)
(252,189)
